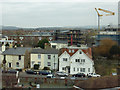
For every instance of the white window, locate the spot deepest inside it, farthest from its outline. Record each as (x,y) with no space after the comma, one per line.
(77,60)
(63,68)
(17,64)
(19,57)
(39,63)
(40,38)
(33,62)
(49,64)
(74,69)
(88,69)
(39,56)
(49,56)
(77,69)
(9,65)
(69,51)
(83,69)
(80,69)
(72,51)
(83,60)
(64,59)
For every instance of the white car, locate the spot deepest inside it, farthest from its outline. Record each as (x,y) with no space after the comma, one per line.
(62,74)
(93,75)
(49,75)
(62,77)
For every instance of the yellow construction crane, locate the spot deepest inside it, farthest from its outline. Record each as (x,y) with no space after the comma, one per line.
(109,13)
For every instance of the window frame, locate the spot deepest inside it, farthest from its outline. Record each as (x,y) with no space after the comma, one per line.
(19,57)
(17,64)
(39,56)
(65,59)
(48,63)
(9,65)
(49,56)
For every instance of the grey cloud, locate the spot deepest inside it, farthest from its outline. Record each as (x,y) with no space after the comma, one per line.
(27,14)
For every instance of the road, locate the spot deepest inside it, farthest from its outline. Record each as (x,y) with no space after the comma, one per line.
(24,74)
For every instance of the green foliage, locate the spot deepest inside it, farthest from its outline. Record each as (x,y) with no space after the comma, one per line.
(16,44)
(115,50)
(104,48)
(7,45)
(105,67)
(42,42)
(36,66)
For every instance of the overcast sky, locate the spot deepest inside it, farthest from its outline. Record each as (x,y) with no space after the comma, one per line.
(37,14)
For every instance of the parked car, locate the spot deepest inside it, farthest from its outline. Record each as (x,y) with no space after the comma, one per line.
(31,72)
(44,72)
(62,77)
(79,75)
(61,74)
(50,76)
(10,71)
(72,78)
(93,75)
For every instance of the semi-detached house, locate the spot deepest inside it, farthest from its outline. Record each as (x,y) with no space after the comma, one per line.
(45,58)
(15,57)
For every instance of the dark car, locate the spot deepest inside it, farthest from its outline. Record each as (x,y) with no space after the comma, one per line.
(10,71)
(79,75)
(31,72)
(44,72)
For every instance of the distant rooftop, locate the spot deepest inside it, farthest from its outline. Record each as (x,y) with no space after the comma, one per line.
(59,41)
(75,47)
(42,33)
(6,40)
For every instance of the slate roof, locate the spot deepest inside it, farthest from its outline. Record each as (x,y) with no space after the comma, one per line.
(17,51)
(44,51)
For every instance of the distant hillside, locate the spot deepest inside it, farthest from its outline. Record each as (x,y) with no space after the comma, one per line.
(50,28)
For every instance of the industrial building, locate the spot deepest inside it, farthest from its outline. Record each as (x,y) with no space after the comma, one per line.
(74,37)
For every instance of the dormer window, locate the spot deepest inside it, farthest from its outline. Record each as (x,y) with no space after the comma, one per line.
(72,51)
(69,51)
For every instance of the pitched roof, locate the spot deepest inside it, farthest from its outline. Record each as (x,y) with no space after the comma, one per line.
(86,51)
(70,53)
(44,51)
(16,51)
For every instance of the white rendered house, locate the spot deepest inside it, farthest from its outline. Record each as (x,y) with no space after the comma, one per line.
(76,60)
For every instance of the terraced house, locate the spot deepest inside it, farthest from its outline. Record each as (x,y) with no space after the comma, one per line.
(45,58)
(15,57)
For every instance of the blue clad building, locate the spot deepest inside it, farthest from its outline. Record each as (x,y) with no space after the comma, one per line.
(113,35)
